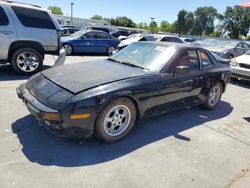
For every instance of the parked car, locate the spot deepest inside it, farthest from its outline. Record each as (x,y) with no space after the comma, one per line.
(89,42)
(229,48)
(68,26)
(106,97)
(241,66)
(170,38)
(119,33)
(186,39)
(27,32)
(138,37)
(68,31)
(104,29)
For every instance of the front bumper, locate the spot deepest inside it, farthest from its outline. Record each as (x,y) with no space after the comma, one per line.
(37,109)
(239,72)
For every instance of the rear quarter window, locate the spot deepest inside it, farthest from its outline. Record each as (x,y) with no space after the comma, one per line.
(33,18)
(3,17)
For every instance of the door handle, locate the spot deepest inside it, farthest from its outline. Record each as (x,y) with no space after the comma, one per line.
(5,32)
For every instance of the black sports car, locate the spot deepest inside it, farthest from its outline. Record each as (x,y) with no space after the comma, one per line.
(106,97)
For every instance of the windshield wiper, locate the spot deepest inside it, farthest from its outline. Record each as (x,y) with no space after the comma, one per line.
(132,65)
(125,63)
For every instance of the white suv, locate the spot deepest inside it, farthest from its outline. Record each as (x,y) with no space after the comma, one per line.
(27,32)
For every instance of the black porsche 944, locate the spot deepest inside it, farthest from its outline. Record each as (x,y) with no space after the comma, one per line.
(106,97)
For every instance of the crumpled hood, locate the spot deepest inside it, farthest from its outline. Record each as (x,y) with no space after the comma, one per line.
(79,77)
(129,41)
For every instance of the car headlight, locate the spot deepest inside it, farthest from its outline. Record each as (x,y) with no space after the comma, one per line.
(233,63)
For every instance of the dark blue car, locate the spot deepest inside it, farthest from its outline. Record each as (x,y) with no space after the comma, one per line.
(89,42)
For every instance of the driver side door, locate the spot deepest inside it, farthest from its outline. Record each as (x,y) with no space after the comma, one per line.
(86,44)
(182,88)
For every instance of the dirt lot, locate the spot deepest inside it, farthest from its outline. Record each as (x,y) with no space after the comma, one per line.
(190,148)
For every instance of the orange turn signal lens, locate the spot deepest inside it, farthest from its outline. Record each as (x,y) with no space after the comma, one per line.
(80,116)
(51,116)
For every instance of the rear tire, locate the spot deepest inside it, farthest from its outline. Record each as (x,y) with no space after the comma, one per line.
(68,49)
(116,120)
(230,56)
(110,50)
(213,97)
(26,61)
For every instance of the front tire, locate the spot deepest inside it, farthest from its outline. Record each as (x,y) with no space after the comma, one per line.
(26,61)
(213,97)
(116,120)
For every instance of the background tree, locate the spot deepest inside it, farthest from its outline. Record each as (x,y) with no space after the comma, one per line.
(153,26)
(236,21)
(55,10)
(122,21)
(189,22)
(181,22)
(96,17)
(165,26)
(204,20)
(142,25)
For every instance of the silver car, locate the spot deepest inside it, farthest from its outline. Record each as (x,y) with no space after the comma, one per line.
(229,48)
(27,32)
(240,66)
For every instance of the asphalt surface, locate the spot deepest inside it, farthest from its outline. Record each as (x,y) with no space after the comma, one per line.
(189,148)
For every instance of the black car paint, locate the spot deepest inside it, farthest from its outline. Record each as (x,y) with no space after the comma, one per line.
(153,93)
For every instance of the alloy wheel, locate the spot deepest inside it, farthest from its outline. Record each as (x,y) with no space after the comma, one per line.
(117,120)
(27,62)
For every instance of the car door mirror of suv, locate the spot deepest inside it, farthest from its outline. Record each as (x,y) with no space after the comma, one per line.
(181,69)
(83,37)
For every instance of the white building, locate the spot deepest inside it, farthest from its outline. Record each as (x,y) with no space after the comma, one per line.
(80,22)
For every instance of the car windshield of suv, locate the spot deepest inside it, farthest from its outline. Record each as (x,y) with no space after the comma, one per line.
(145,55)
(78,34)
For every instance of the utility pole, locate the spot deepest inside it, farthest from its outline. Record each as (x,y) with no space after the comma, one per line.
(71,13)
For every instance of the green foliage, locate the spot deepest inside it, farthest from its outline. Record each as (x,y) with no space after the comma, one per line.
(204,20)
(236,21)
(142,25)
(153,26)
(55,10)
(122,21)
(165,26)
(248,37)
(96,17)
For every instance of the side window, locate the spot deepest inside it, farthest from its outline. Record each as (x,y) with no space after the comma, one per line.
(165,39)
(102,36)
(191,59)
(188,58)
(240,45)
(33,18)
(205,61)
(176,40)
(3,17)
(245,45)
(90,35)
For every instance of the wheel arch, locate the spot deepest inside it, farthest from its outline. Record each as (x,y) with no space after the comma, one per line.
(127,96)
(222,82)
(26,44)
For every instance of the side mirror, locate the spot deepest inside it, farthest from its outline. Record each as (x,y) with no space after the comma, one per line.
(83,37)
(181,69)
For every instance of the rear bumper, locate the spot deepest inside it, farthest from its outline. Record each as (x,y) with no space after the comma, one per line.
(37,110)
(239,72)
